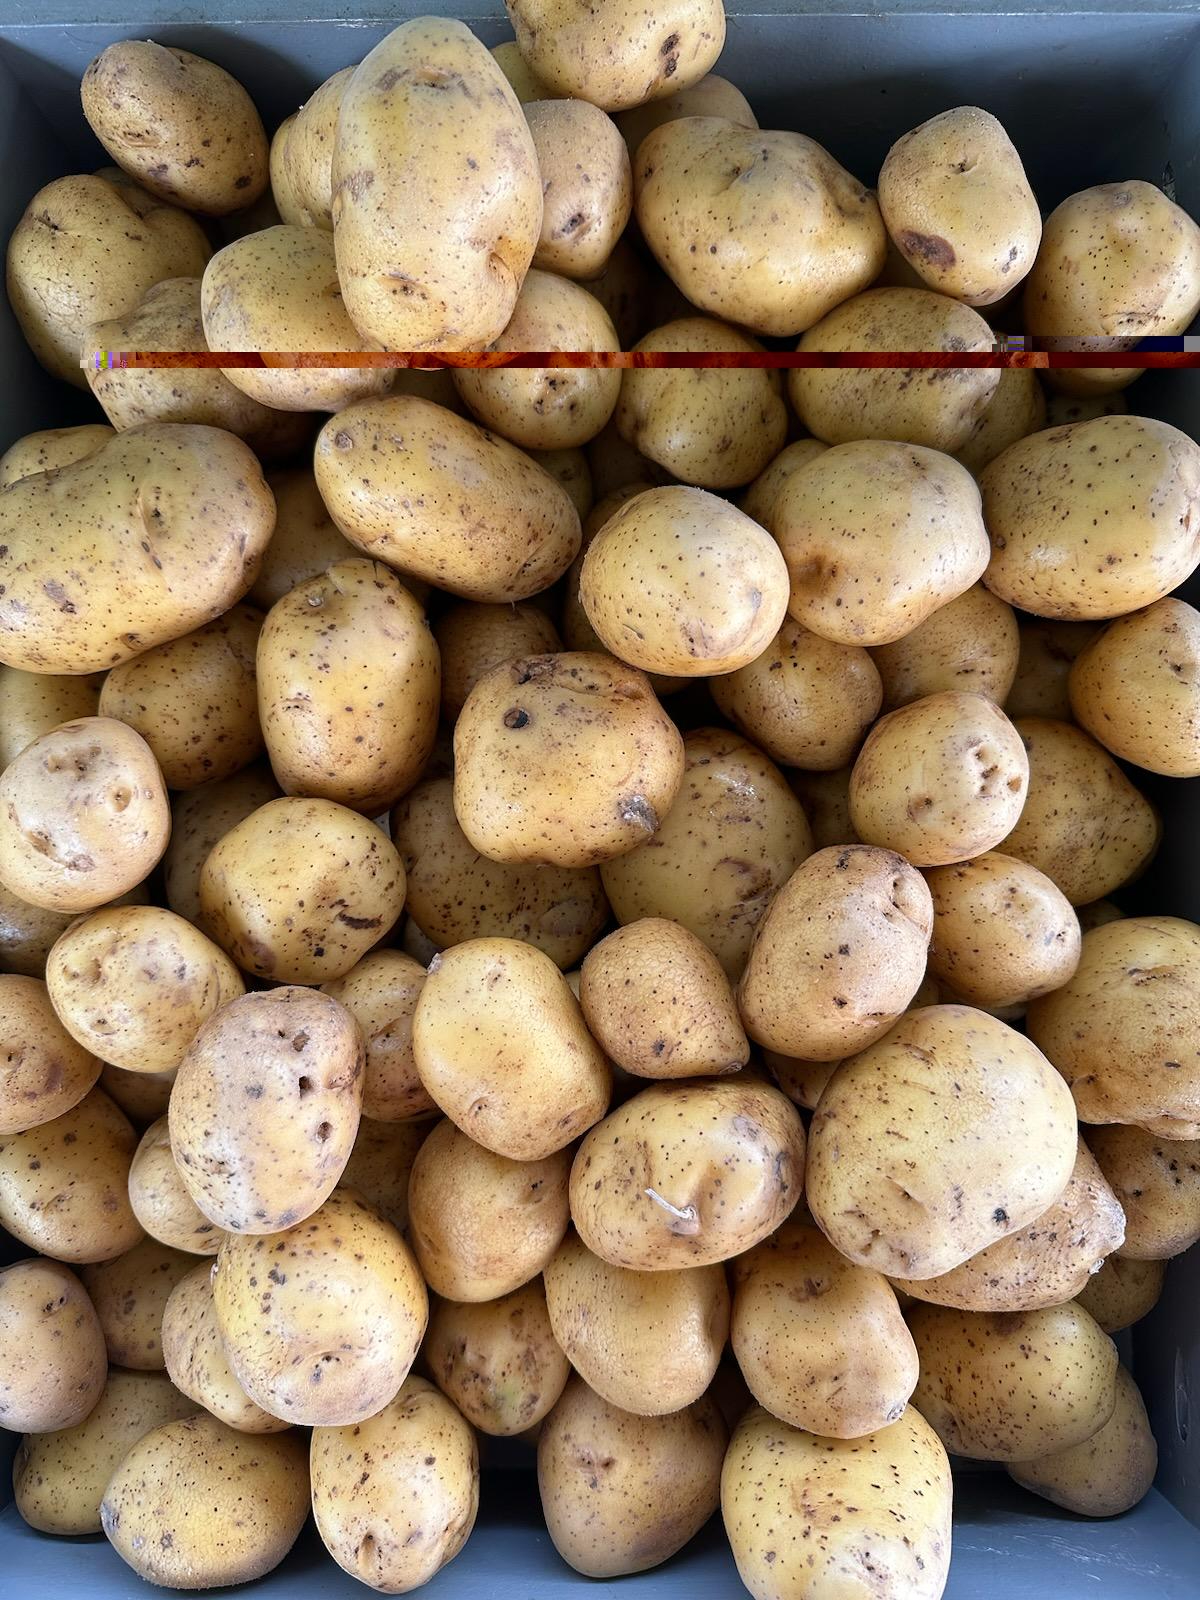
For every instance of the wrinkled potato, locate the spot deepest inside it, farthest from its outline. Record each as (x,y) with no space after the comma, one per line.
(32,703)
(265,1108)
(474,639)
(950,1132)
(130,1293)
(970,644)
(1106,1474)
(49,448)
(711,96)
(497,1360)
(380,1165)
(587,188)
(381,994)
(54,1352)
(1047,649)
(196,1361)
(1122,1292)
(759,499)
(306,540)
(1157,1181)
(307,154)
(1017,408)
(44,1070)
(160,1199)
(1135,688)
(480,1224)
(199,819)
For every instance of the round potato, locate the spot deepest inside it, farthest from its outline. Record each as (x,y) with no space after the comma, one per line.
(1047,650)
(32,703)
(1106,1474)
(497,1361)
(474,639)
(45,450)
(480,1224)
(1136,688)
(307,154)
(199,819)
(623,288)
(44,1070)
(998,1143)
(622,1493)
(846,936)
(711,96)
(381,994)
(1017,408)
(160,1199)
(130,1293)
(683,1175)
(306,540)
(587,187)
(380,1165)
(1157,1181)
(1122,1291)
(196,1361)
(54,1364)
(971,644)
(265,1108)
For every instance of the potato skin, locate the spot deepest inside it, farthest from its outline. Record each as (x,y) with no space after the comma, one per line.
(381,1163)
(48,448)
(474,638)
(1134,688)
(587,186)
(437,265)
(1106,1474)
(687,1174)
(1047,650)
(971,644)
(130,1293)
(710,96)
(381,995)
(44,1071)
(307,154)
(54,1362)
(497,1361)
(1122,1292)
(160,1199)
(1157,1181)
(196,1360)
(199,819)
(31,703)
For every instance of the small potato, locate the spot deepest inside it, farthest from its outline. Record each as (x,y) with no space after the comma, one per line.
(392,473)
(956,200)
(301,856)
(658,1003)
(1136,688)
(130,1293)
(306,541)
(913,517)
(1047,650)
(679,581)
(160,1199)
(196,1505)
(997,1143)
(941,780)
(711,96)
(283,194)
(1106,1474)
(587,187)
(265,1108)
(773,249)
(649,1342)
(196,1361)
(502,1048)
(716,428)
(474,639)
(1122,1292)
(32,703)
(47,449)
(826,800)
(497,1361)
(970,644)
(64,1186)
(806,701)
(759,500)
(200,818)
(44,1071)
(59,1478)
(1157,1181)
(380,1165)
(622,1493)
(395,1497)
(935,407)
(1003,932)
(53,1365)
(872,909)
(683,1175)
(308,153)
(884,1500)
(480,1224)
(525,83)
(567,759)
(322,1322)
(1013,1385)
(381,994)
(1017,408)
(734,834)
(437,201)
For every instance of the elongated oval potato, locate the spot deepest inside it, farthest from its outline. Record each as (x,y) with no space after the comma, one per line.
(999,1141)
(648,1342)
(497,1360)
(393,473)
(885,1497)
(781,232)
(199,819)
(44,1070)
(171,519)
(1106,1474)
(160,1199)
(587,185)
(1009,1386)
(196,1361)
(395,1497)
(307,154)
(1123,1291)
(683,1175)
(48,448)
(130,1293)
(54,1362)
(265,1108)
(31,703)
(1157,1181)
(381,995)
(437,202)
(971,644)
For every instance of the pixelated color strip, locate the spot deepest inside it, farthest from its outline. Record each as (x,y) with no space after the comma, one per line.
(1006,353)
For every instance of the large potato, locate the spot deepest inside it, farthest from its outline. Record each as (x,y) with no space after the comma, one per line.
(31,703)
(970,644)
(1157,1181)
(1106,1474)
(381,1163)
(1017,408)
(437,202)
(1136,688)
(474,639)
(683,1175)
(196,1361)
(44,1070)
(53,1364)
(381,994)
(199,819)
(48,448)
(949,1133)
(764,229)
(157,531)
(1122,1292)
(265,1108)
(130,1293)
(497,1361)
(160,1199)
(307,154)
(587,186)
(306,540)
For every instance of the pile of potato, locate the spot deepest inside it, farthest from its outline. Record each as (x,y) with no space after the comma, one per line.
(576,907)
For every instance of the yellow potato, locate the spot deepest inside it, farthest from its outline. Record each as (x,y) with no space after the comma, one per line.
(31,703)
(53,1365)
(474,639)
(196,1361)
(1062,408)
(1122,1292)
(1157,1181)
(306,541)
(1017,408)
(160,1199)
(711,96)
(199,819)
(381,994)
(759,499)
(49,448)
(970,644)
(381,1163)
(614,465)
(587,187)
(1134,688)
(497,1361)
(44,1070)
(130,1293)
(526,85)
(569,467)
(1047,650)
(307,154)
(142,1096)
(1108,1473)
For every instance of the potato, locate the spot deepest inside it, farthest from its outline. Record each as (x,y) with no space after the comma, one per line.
(623,289)
(707,1171)
(941,780)
(196,1361)
(392,473)
(587,189)
(49,448)
(1047,650)
(648,1342)
(1134,688)
(321,1322)
(474,639)
(480,1224)
(949,1133)
(130,1293)
(32,703)
(64,1185)
(1013,1385)
(85,250)
(160,1199)
(934,407)
(395,1498)
(567,759)
(83,592)
(622,1493)
(306,541)
(970,644)
(569,467)
(1062,408)
(497,1361)
(298,855)
(502,1048)
(265,1108)
(1157,1181)
(733,836)
(1094,519)
(525,83)
(432,249)
(60,1477)
(381,994)
(874,1511)
(872,909)
(826,800)
(1003,932)
(1017,408)
(1106,1474)
(764,229)
(913,517)
(43,1070)
(199,819)
(1122,1292)
(381,1163)
(54,1364)
(615,465)
(195,1505)
(711,96)
(308,153)
(142,1096)
(760,499)
(287,201)
(659,1004)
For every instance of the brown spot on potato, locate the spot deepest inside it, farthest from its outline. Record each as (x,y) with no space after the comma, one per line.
(930,248)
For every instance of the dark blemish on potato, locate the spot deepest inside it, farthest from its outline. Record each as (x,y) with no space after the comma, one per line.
(516,718)
(358,922)
(930,248)
(638,810)
(324,1129)
(60,597)
(999,1215)
(357,183)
